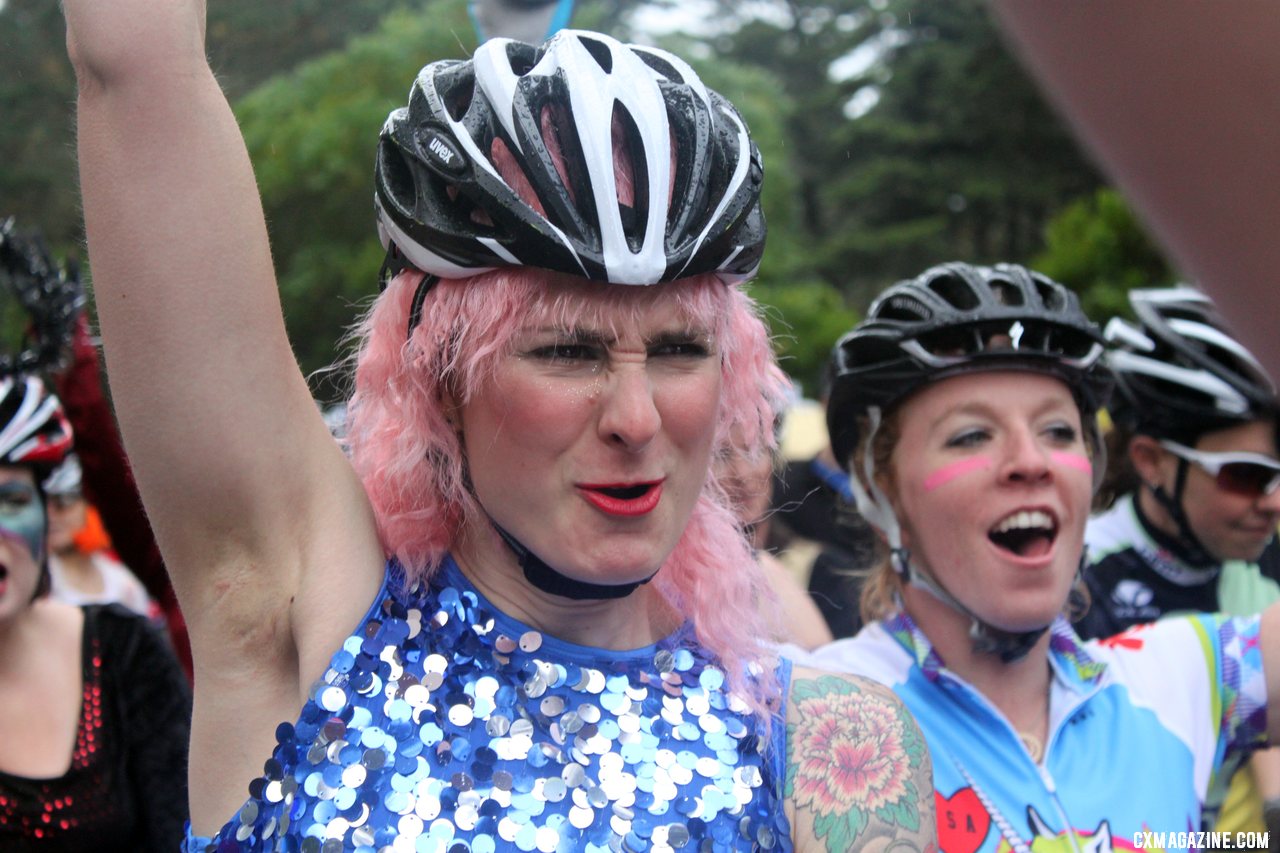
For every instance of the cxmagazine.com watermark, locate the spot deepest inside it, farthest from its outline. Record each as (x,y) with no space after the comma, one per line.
(1201,840)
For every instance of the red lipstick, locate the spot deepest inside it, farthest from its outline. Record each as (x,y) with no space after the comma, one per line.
(624,499)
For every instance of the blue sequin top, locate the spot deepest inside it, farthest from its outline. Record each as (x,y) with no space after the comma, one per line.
(444,725)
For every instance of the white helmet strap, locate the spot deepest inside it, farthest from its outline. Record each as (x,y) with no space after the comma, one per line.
(870,499)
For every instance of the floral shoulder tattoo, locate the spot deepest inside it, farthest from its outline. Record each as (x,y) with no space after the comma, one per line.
(858,771)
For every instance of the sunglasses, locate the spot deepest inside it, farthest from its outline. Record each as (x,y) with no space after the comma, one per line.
(1250,474)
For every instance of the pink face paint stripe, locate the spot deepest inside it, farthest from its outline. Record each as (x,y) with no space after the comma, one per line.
(947,473)
(1072,460)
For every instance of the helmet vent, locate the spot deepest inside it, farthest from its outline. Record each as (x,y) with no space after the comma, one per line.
(599,52)
(632,171)
(554,118)
(457,100)
(512,172)
(521,57)
(955,291)
(456,87)
(660,65)
(1054,298)
(904,308)
(1007,293)
(397,177)
(1240,369)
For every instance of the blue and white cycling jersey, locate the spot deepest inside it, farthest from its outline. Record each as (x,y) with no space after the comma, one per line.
(1139,726)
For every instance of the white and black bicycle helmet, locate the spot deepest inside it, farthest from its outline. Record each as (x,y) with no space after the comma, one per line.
(1179,372)
(34,430)
(444,208)
(950,320)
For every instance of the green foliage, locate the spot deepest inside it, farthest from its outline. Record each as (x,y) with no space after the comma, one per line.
(807,318)
(312,134)
(249,42)
(1098,248)
(37,87)
(959,158)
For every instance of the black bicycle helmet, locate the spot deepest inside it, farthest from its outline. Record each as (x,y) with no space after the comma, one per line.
(1179,372)
(443,207)
(956,318)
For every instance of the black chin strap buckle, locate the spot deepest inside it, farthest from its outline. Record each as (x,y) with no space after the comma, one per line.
(1009,646)
(900,560)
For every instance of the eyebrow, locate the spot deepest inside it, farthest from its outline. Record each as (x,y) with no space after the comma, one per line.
(597,338)
(682,336)
(576,334)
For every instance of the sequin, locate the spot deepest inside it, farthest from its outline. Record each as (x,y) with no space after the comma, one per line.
(443,725)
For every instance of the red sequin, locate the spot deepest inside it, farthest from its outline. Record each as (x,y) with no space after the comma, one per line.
(50,806)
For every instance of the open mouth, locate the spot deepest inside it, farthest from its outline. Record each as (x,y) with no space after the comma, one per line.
(625,493)
(1025,533)
(626,499)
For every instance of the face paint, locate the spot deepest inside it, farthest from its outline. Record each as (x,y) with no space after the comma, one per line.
(22,518)
(1072,460)
(949,472)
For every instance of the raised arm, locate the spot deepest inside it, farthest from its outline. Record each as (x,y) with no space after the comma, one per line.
(241,480)
(1181,104)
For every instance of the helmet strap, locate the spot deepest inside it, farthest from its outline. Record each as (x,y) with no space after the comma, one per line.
(986,639)
(872,503)
(415,307)
(1193,552)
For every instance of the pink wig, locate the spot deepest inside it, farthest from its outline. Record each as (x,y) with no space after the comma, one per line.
(411,462)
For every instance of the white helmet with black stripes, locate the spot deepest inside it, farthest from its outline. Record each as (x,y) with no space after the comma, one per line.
(557,113)
(1179,373)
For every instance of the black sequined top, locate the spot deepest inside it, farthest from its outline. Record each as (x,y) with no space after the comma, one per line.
(126,788)
(444,725)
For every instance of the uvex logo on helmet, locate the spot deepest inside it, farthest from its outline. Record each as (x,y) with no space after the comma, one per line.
(439,151)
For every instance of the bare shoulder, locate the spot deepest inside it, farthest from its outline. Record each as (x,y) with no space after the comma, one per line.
(858,775)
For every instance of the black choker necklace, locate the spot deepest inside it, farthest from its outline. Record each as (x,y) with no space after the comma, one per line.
(550,581)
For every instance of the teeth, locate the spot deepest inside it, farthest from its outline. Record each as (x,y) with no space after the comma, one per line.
(1035,519)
